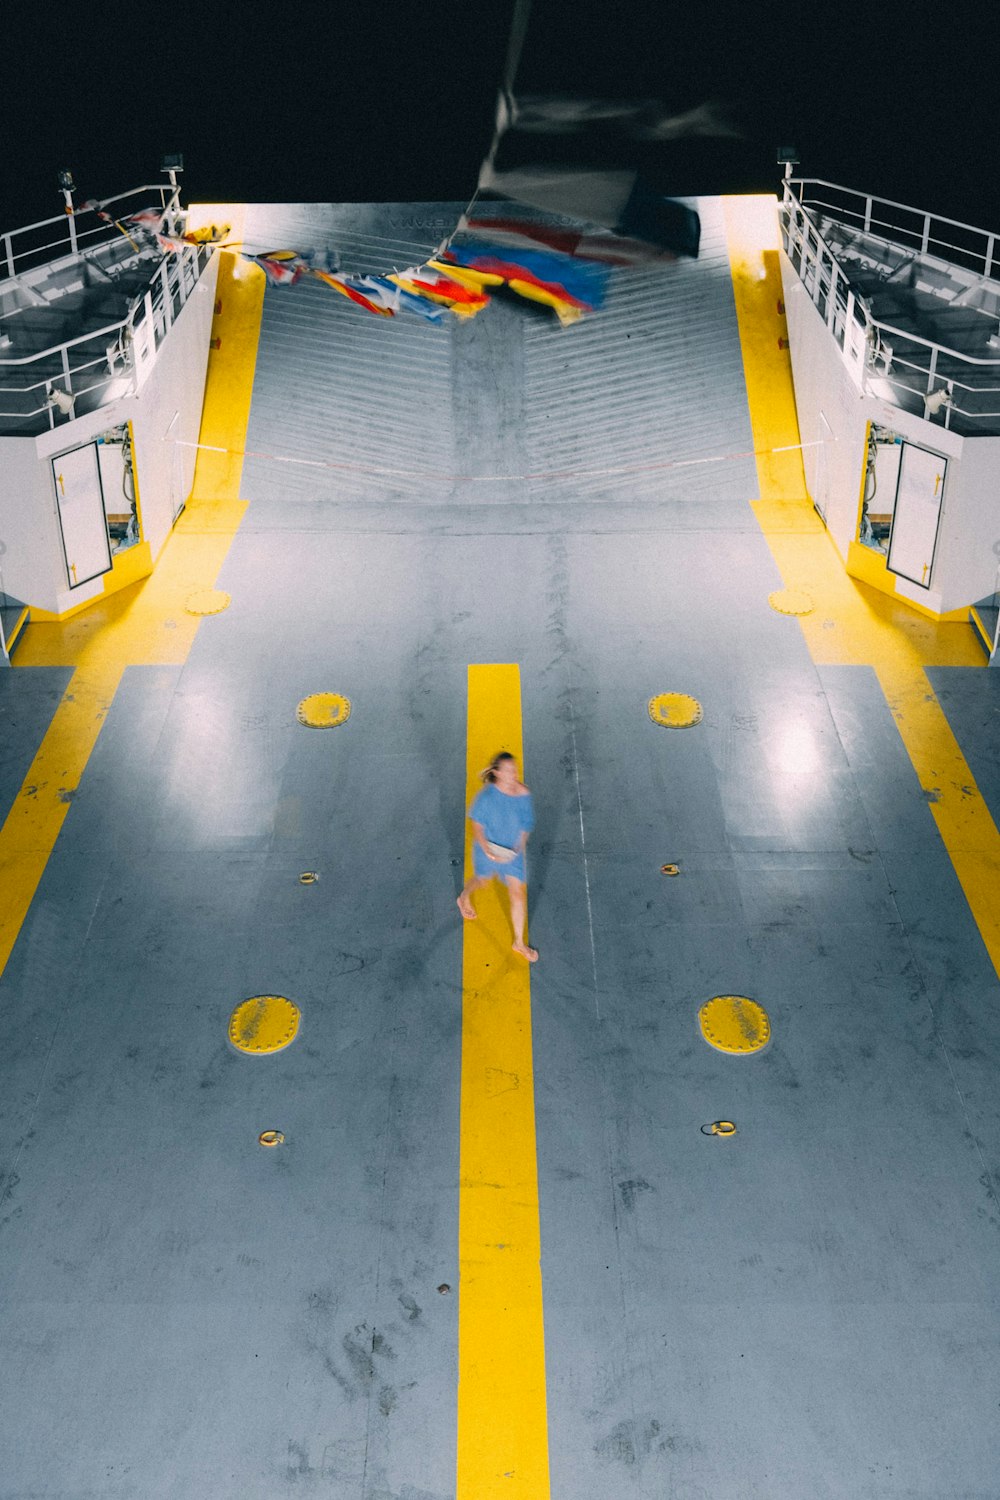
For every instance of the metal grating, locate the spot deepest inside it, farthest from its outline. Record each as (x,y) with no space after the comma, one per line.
(655,379)
(507,407)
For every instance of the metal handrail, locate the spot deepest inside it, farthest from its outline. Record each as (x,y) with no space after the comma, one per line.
(82,338)
(866,218)
(149,317)
(916,338)
(169,197)
(827,283)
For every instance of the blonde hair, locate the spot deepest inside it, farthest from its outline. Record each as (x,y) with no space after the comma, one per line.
(489,774)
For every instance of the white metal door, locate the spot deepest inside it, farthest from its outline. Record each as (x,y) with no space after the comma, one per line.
(916,515)
(81,514)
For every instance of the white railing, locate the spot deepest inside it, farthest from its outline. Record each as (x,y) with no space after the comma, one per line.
(870,345)
(929,234)
(68,234)
(130,343)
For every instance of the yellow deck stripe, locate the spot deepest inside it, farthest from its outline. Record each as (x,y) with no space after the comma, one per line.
(853,624)
(502,1422)
(142,625)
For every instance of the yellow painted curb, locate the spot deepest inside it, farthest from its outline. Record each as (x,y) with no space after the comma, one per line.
(791,602)
(732,1023)
(207,602)
(324,710)
(264,1023)
(675,710)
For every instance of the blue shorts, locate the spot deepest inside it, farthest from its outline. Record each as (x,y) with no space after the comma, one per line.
(484,867)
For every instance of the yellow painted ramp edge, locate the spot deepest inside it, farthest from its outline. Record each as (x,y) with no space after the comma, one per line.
(852,624)
(141,625)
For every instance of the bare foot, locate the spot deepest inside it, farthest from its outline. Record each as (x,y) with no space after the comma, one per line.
(531,954)
(467,909)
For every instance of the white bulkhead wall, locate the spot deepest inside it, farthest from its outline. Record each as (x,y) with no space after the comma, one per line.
(164,413)
(167,411)
(965,562)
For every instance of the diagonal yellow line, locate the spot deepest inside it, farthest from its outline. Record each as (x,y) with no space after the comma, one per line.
(502,1423)
(145,624)
(853,624)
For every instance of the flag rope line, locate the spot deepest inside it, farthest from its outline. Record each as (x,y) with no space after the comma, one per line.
(323,463)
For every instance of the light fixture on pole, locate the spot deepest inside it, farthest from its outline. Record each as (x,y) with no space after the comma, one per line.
(65,181)
(172,162)
(788,157)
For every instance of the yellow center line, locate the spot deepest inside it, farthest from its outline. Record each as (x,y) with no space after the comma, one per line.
(853,624)
(502,1445)
(145,624)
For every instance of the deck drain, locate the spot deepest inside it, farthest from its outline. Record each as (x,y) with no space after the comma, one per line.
(674,710)
(324,710)
(791,602)
(732,1023)
(207,602)
(264,1023)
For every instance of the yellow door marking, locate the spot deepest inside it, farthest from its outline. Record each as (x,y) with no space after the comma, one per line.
(62,487)
(853,624)
(145,624)
(502,1422)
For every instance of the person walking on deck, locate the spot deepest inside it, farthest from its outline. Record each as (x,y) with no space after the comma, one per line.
(502,817)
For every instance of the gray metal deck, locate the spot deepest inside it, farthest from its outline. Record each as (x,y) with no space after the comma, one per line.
(807,1310)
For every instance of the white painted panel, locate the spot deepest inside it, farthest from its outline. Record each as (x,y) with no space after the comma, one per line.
(109,456)
(81,514)
(918,509)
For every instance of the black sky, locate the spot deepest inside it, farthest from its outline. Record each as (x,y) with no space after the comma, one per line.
(396,101)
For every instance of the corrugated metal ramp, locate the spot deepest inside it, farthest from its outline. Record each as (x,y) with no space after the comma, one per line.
(507,408)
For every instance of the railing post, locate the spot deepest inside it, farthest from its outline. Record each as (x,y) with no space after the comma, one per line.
(168,308)
(990,245)
(868,214)
(932,369)
(925,237)
(831,298)
(66,374)
(8,245)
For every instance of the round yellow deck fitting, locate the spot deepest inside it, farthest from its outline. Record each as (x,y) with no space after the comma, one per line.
(264,1023)
(324,710)
(719,1127)
(674,710)
(732,1023)
(670,869)
(207,602)
(270,1138)
(308,877)
(791,602)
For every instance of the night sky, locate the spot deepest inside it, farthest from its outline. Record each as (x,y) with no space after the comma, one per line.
(396,101)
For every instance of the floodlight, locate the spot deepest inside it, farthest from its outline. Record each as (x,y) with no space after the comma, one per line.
(65,180)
